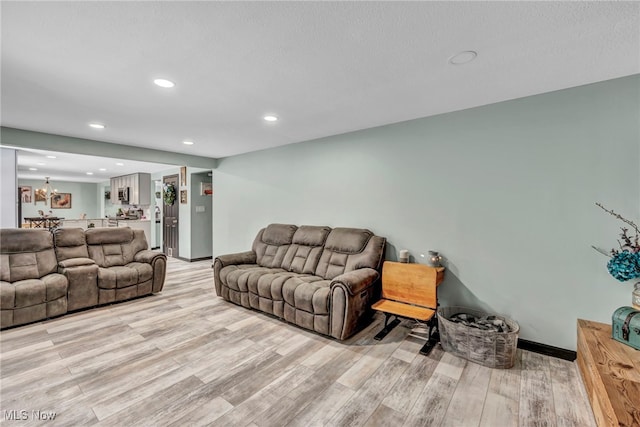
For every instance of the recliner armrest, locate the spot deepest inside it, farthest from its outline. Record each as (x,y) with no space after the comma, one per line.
(248,257)
(357,280)
(148,256)
(75,262)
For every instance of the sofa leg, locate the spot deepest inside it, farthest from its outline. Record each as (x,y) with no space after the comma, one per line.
(388,327)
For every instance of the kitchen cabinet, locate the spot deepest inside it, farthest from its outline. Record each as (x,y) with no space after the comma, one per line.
(139,185)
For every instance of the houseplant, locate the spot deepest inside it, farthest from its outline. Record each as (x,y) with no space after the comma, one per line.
(625,262)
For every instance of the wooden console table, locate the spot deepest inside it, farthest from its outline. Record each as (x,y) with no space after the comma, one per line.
(611,374)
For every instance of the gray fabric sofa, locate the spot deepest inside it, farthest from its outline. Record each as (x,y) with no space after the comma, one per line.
(315,277)
(46,274)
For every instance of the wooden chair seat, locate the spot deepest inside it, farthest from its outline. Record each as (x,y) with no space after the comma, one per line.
(409,290)
(404,310)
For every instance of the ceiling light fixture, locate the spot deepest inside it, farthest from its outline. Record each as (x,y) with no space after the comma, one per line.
(164,83)
(96,125)
(40,164)
(89,173)
(102,170)
(47,189)
(270,118)
(33,169)
(51,157)
(119,164)
(463,57)
(187,142)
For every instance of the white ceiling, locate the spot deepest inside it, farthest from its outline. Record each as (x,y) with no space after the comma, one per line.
(74,167)
(324,68)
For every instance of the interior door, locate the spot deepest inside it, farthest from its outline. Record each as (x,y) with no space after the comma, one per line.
(170,214)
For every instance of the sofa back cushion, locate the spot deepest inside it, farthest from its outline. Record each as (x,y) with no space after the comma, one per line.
(305,250)
(70,243)
(348,249)
(271,244)
(110,247)
(26,254)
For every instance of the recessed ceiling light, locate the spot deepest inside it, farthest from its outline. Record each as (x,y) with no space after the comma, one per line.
(33,169)
(40,164)
(102,169)
(89,173)
(96,125)
(119,164)
(187,142)
(270,118)
(463,57)
(51,157)
(164,83)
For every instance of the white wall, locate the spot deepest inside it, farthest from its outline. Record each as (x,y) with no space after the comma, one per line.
(505,192)
(8,188)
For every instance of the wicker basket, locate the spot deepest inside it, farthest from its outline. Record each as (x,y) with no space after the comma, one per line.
(488,348)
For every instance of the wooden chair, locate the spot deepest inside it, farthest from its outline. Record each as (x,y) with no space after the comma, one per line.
(409,291)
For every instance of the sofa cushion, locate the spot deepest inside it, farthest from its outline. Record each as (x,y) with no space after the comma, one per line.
(348,240)
(271,244)
(103,236)
(7,295)
(117,277)
(307,293)
(348,249)
(306,247)
(242,277)
(114,246)
(26,254)
(70,243)
(26,293)
(16,240)
(278,234)
(144,271)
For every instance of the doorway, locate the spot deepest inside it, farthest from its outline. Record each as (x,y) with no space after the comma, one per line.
(170,217)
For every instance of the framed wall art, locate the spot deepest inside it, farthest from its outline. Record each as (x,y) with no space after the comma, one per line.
(206,189)
(25,194)
(39,195)
(61,201)
(183,176)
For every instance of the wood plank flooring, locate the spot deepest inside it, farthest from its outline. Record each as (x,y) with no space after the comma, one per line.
(186,357)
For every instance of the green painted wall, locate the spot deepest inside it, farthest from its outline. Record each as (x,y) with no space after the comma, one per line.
(505,192)
(84,199)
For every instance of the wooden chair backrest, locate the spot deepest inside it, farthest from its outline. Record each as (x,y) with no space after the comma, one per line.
(411,283)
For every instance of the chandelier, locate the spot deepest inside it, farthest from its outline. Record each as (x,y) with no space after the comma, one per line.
(46,191)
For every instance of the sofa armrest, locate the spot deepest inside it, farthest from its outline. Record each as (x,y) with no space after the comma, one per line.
(148,256)
(75,262)
(158,262)
(356,281)
(248,257)
(82,277)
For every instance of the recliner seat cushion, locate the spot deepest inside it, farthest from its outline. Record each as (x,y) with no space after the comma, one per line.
(124,276)
(29,292)
(241,277)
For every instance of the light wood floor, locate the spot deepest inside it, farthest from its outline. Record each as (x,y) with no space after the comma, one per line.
(185,357)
